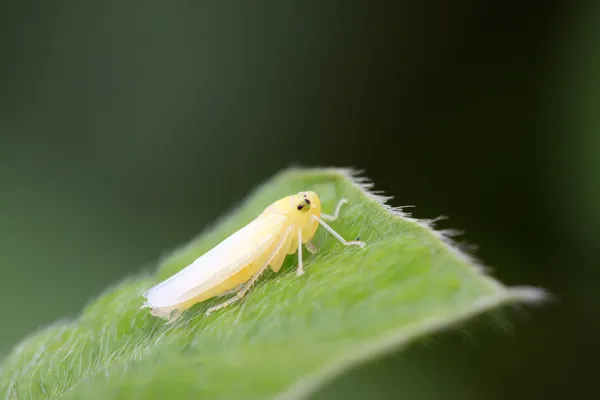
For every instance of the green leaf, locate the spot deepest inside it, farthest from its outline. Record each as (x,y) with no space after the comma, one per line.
(290,334)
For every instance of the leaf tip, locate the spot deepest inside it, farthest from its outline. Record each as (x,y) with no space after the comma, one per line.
(531,294)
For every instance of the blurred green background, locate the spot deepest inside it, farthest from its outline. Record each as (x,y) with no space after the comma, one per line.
(127,127)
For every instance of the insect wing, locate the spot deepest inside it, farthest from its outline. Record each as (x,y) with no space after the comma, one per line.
(224,260)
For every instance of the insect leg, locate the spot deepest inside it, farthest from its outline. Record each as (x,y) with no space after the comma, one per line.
(234,290)
(300,270)
(337,235)
(174,316)
(336,213)
(238,296)
(252,280)
(310,246)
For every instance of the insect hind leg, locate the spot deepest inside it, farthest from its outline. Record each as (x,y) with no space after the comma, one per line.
(240,294)
(252,280)
(232,291)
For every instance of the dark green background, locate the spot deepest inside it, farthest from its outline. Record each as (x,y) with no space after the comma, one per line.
(127,127)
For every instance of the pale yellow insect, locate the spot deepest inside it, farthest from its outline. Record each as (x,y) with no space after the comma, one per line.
(279,230)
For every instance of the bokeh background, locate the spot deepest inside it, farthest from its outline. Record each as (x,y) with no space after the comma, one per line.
(127,127)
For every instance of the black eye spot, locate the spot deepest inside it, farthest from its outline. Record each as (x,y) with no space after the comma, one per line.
(307,201)
(304,195)
(300,206)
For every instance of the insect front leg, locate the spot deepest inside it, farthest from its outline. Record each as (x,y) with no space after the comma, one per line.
(336,213)
(337,235)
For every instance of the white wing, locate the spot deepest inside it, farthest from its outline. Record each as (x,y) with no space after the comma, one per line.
(225,259)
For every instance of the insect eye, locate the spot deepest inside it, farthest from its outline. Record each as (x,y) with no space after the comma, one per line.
(304,205)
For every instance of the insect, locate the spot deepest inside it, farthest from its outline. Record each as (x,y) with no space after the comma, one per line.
(281,229)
